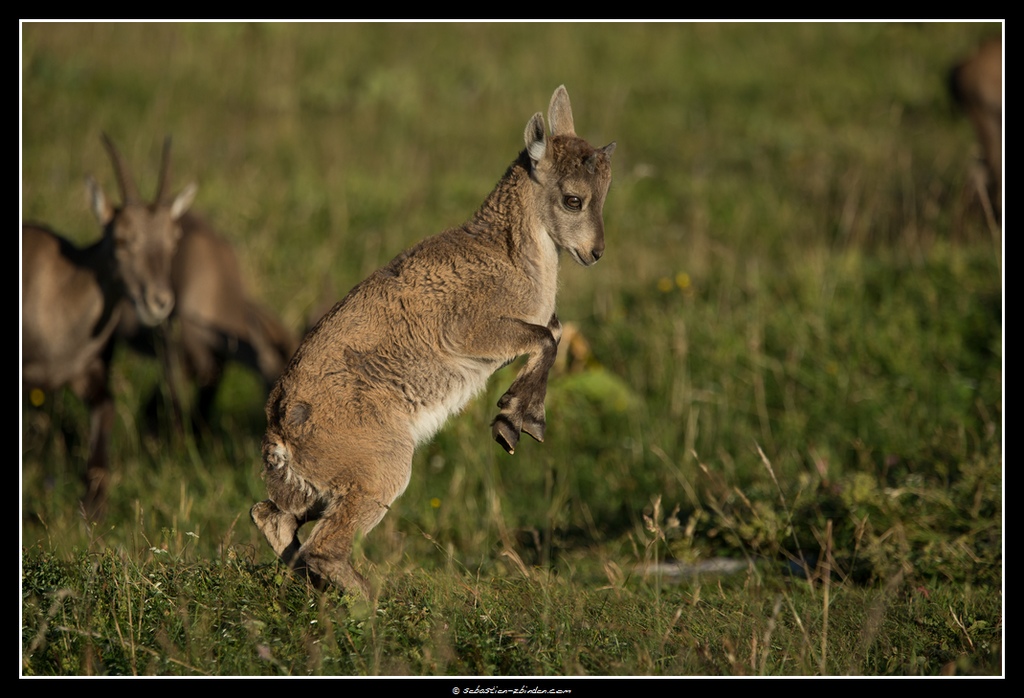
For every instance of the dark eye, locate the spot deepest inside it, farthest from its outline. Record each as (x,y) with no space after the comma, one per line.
(572,202)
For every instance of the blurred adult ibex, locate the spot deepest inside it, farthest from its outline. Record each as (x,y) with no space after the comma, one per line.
(411,344)
(214,321)
(72,300)
(977,86)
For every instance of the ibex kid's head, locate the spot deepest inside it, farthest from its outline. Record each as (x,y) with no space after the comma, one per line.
(572,179)
(144,235)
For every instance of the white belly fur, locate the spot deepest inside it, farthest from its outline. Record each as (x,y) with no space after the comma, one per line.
(428,419)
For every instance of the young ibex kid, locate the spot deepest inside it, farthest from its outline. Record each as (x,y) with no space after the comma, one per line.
(410,345)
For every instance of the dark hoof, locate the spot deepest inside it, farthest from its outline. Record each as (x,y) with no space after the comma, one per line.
(535,429)
(504,433)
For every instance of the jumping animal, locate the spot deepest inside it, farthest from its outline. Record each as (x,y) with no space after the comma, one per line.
(977,86)
(411,344)
(72,301)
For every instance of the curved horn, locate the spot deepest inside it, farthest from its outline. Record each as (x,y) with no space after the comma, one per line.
(165,170)
(125,181)
(606,152)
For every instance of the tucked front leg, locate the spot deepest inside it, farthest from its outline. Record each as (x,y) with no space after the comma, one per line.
(522,405)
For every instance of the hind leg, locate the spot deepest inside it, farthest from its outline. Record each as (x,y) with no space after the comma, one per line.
(327,553)
(292,503)
(280,528)
(355,481)
(359,506)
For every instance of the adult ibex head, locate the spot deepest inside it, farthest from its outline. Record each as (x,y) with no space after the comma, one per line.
(144,235)
(407,347)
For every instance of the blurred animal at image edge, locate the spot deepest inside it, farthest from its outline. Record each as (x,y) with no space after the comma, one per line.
(976,84)
(73,299)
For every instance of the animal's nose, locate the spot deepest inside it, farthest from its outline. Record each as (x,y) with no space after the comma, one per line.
(597,252)
(161,303)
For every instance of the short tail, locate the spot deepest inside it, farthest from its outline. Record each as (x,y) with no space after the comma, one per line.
(276,453)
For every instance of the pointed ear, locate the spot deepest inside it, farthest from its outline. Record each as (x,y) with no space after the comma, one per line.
(560,114)
(536,145)
(183,201)
(98,201)
(608,149)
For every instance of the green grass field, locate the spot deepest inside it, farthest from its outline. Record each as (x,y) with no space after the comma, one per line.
(794,369)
